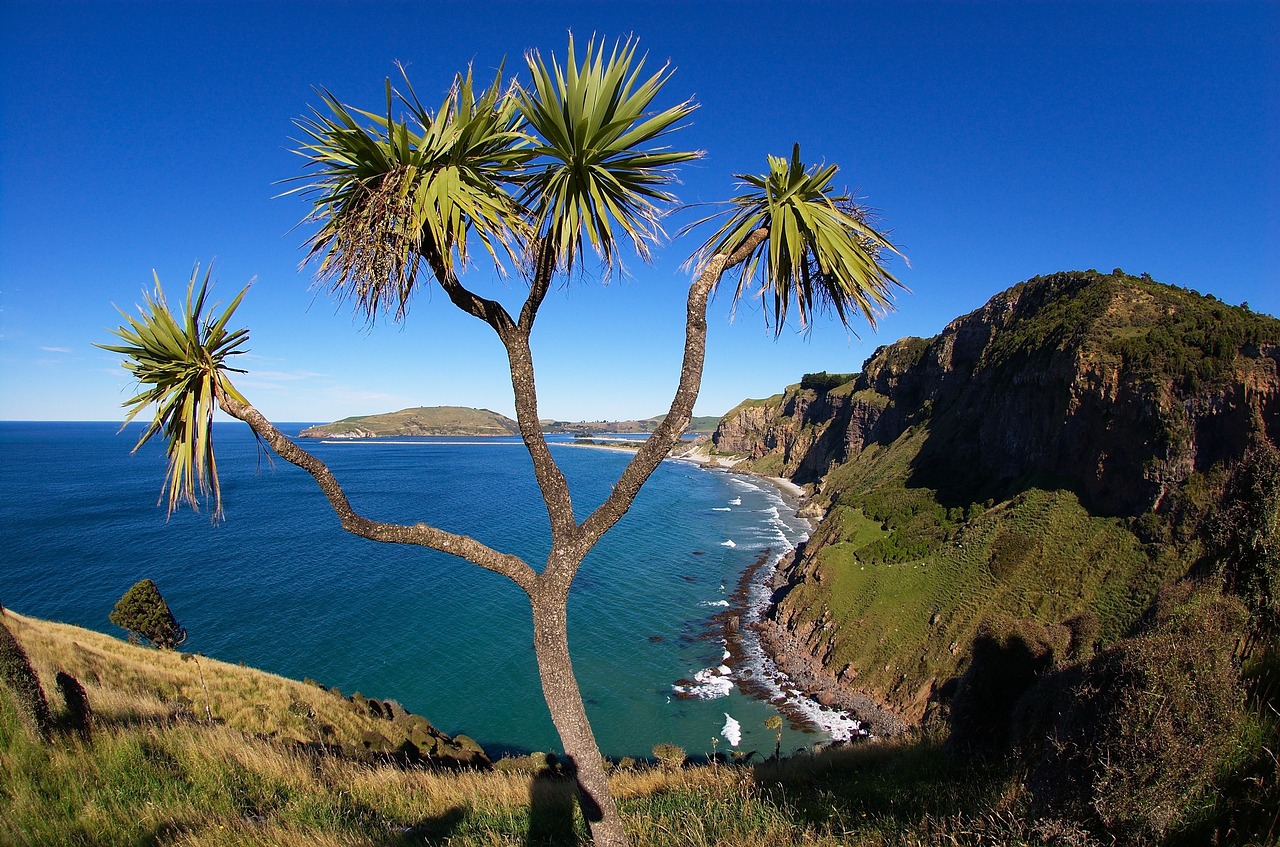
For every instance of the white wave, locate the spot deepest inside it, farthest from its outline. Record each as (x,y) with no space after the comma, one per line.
(708,684)
(728,543)
(736,501)
(721,509)
(714,603)
(837,725)
(732,730)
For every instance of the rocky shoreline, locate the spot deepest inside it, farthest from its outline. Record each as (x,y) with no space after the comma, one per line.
(812,679)
(802,674)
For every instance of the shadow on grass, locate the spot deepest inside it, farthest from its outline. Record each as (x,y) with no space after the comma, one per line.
(877,785)
(552,800)
(437,829)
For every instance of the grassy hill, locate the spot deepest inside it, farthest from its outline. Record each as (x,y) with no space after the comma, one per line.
(158,770)
(195,752)
(1049,455)
(419,420)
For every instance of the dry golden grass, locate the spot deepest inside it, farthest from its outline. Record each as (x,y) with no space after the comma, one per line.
(126,682)
(157,773)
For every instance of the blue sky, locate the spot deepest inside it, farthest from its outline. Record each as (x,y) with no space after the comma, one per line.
(998,141)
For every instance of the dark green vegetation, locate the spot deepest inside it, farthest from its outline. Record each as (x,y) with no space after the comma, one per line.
(1053,529)
(145,614)
(420,420)
(20,680)
(822,382)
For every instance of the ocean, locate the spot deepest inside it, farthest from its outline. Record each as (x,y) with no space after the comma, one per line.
(278,586)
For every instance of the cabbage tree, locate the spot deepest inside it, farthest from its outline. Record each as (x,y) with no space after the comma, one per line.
(541,175)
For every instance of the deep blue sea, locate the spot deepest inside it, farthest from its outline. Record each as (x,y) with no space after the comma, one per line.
(279,586)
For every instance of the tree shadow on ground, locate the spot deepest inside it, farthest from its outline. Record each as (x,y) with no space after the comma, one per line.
(552,799)
(885,785)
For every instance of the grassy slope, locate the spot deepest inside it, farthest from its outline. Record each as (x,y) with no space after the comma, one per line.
(155,773)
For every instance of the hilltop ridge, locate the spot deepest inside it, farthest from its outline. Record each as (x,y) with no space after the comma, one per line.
(418,421)
(465,422)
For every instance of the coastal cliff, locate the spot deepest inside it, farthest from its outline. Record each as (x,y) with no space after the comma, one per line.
(1049,455)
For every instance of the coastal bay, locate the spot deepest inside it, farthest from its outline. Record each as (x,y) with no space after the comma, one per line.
(278,586)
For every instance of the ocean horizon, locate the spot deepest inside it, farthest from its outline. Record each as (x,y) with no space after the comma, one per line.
(278,585)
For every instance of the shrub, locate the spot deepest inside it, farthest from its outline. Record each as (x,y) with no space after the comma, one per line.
(18,676)
(1142,729)
(145,614)
(669,756)
(79,712)
(823,382)
(1243,535)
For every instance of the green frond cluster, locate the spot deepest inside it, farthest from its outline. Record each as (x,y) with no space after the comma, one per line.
(395,192)
(569,161)
(821,252)
(181,362)
(596,164)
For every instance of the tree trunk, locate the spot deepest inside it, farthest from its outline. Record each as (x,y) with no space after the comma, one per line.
(560,688)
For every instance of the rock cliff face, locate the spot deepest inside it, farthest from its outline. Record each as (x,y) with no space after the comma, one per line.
(1043,383)
(1049,454)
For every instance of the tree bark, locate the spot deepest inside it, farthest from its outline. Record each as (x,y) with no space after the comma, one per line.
(564,700)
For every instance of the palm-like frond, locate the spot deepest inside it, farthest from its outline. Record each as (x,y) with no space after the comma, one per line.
(597,166)
(180,359)
(389,195)
(821,252)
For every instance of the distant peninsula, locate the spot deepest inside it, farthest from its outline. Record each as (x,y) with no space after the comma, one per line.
(419,420)
(463,421)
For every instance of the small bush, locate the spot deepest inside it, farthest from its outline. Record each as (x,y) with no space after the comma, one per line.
(669,756)
(823,382)
(79,712)
(1243,535)
(18,676)
(144,613)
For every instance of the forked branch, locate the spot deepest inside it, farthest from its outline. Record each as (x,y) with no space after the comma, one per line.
(419,534)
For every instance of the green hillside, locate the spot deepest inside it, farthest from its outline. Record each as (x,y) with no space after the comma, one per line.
(1052,454)
(419,420)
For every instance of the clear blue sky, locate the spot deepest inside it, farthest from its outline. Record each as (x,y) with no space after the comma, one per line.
(999,141)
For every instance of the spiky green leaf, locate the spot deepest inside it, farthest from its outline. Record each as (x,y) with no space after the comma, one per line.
(181,363)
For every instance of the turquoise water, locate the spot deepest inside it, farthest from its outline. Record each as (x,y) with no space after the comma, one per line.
(280,587)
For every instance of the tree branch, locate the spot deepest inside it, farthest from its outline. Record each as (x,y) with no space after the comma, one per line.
(665,436)
(420,534)
(489,311)
(544,266)
(551,481)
